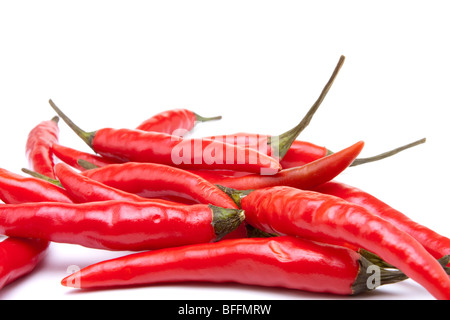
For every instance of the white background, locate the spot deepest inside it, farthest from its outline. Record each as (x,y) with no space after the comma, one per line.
(259,64)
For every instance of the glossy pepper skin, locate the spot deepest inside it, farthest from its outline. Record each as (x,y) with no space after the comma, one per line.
(38,146)
(301,153)
(119,225)
(71,157)
(140,146)
(305,177)
(19,257)
(84,189)
(317,216)
(15,188)
(438,245)
(128,145)
(286,262)
(175,121)
(151,180)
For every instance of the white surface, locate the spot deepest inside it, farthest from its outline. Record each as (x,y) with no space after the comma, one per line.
(259,64)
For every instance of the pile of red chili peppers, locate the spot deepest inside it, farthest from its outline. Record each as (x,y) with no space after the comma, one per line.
(246,208)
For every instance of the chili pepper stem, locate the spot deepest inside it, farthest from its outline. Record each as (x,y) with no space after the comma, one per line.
(388,273)
(225,220)
(386,154)
(362,282)
(286,139)
(86,164)
(87,137)
(41,176)
(200,118)
(235,194)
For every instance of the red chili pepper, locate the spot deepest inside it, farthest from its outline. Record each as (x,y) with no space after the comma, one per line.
(286,262)
(176,121)
(141,146)
(18,257)
(15,188)
(433,242)
(38,146)
(150,180)
(119,225)
(305,177)
(71,157)
(317,216)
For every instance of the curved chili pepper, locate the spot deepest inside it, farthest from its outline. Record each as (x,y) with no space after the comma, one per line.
(436,244)
(175,121)
(142,146)
(38,146)
(151,180)
(119,225)
(71,157)
(18,257)
(305,177)
(317,216)
(287,262)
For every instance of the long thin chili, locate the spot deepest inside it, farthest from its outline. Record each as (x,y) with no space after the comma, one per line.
(142,146)
(305,177)
(287,262)
(119,225)
(151,180)
(317,216)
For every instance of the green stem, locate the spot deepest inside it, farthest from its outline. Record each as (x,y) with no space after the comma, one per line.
(363,281)
(86,164)
(253,232)
(285,140)
(225,220)
(387,154)
(234,194)
(199,118)
(41,176)
(87,137)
